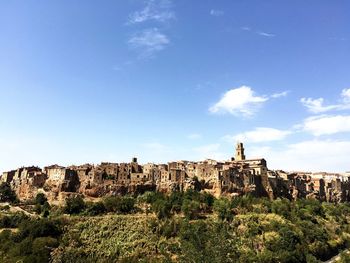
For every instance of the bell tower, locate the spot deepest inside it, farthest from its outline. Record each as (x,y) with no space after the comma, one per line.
(240,152)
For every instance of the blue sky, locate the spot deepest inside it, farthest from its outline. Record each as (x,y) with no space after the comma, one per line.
(82,81)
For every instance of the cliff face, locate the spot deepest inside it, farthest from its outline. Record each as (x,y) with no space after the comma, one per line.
(230,178)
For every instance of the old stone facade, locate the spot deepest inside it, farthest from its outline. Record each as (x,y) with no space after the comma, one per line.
(236,176)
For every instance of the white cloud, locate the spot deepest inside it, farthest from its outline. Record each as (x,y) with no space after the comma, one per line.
(317,105)
(346,95)
(214,12)
(246,28)
(210,151)
(194,136)
(312,155)
(149,41)
(264,34)
(239,101)
(259,134)
(321,125)
(280,94)
(159,11)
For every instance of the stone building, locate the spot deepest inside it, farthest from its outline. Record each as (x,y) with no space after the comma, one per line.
(7,177)
(237,176)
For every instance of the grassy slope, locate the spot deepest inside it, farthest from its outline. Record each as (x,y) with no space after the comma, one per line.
(109,238)
(250,237)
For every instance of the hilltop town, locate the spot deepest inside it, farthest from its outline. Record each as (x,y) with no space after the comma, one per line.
(234,177)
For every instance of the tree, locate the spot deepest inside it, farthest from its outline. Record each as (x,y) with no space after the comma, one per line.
(111,203)
(45,209)
(176,199)
(223,209)
(162,208)
(119,204)
(126,205)
(40,199)
(74,205)
(191,209)
(7,194)
(97,208)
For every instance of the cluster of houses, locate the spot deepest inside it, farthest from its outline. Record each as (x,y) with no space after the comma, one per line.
(236,176)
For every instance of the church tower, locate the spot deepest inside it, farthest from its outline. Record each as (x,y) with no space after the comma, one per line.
(240,152)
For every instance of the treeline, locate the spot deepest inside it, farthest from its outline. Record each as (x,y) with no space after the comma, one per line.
(192,204)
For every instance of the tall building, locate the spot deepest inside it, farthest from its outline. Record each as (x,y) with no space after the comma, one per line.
(240,152)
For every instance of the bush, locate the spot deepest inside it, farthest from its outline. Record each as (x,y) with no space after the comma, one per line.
(127,204)
(39,228)
(40,199)
(162,208)
(74,205)
(12,221)
(32,243)
(7,194)
(111,203)
(41,248)
(94,209)
(45,209)
(190,209)
(118,204)
(223,209)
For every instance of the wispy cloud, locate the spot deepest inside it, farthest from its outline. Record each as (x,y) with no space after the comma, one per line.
(260,33)
(264,34)
(156,10)
(246,28)
(317,105)
(259,134)
(148,42)
(280,94)
(116,68)
(337,38)
(209,151)
(216,12)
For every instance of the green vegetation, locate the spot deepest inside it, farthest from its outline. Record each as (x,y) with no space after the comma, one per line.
(74,205)
(32,242)
(7,194)
(42,207)
(180,227)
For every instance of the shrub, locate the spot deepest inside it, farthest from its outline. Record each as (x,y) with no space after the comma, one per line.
(162,208)
(125,204)
(94,209)
(223,209)
(74,205)
(191,209)
(40,199)
(7,194)
(12,221)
